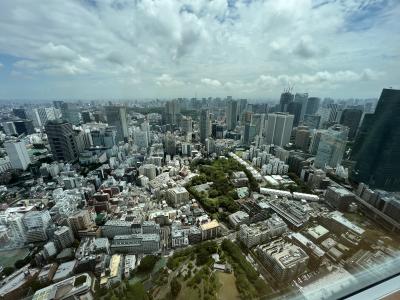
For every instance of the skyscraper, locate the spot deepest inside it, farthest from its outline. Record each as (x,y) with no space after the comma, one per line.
(20,113)
(172,111)
(62,140)
(331,146)
(303,99)
(377,146)
(286,98)
(205,125)
(231,114)
(71,112)
(18,155)
(46,114)
(312,105)
(278,128)
(116,116)
(294,108)
(351,118)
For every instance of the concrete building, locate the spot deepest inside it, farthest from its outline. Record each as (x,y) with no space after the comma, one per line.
(64,142)
(231,114)
(172,112)
(80,220)
(205,125)
(64,237)
(75,287)
(136,244)
(339,197)
(178,196)
(278,128)
(210,230)
(36,223)
(148,170)
(302,138)
(261,232)
(116,117)
(238,218)
(18,155)
(285,260)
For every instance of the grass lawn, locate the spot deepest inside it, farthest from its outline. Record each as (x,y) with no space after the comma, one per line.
(227,290)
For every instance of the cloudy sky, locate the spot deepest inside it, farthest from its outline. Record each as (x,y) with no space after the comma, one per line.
(87,49)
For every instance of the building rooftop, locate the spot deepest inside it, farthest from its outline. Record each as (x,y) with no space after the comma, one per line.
(209,225)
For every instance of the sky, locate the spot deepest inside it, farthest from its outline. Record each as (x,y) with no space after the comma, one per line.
(137,49)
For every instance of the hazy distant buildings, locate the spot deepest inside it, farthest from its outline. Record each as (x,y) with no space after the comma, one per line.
(278,128)
(18,155)
(116,116)
(231,114)
(377,147)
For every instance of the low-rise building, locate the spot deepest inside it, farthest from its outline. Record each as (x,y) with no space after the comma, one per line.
(238,218)
(178,196)
(210,230)
(75,287)
(285,260)
(261,232)
(136,244)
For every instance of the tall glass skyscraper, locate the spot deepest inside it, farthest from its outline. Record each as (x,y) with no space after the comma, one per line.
(377,146)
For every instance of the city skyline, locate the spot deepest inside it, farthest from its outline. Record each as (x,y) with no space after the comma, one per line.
(168,49)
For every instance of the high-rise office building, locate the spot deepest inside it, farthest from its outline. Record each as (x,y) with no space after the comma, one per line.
(62,140)
(116,116)
(231,114)
(20,113)
(172,112)
(278,128)
(312,121)
(302,138)
(46,114)
(351,118)
(331,146)
(286,98)
(86,117)
(9,128)
(71,112)
(312,105)
(24,127)
(294,108)
(187,125)
(328,114)
(205,125)
(140,138)
(303,99)
(258,121)
(18,155)
(377,146)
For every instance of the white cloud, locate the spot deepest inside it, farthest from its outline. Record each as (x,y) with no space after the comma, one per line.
(166,80)
(249,47)
(211,82)
(1,65)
